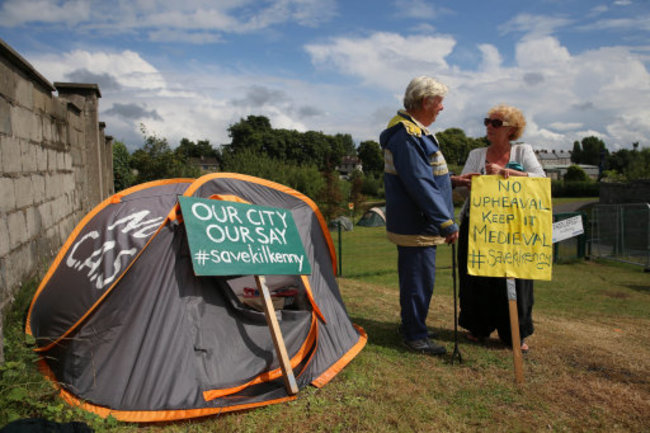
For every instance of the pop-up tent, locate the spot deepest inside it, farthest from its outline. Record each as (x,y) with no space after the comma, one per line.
(373,217)
(125,328)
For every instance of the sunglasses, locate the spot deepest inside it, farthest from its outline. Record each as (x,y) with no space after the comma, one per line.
(496,123)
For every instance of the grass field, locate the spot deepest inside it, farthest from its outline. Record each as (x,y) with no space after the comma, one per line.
(588,369)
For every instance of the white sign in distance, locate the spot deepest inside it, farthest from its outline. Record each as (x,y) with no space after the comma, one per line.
(567,228)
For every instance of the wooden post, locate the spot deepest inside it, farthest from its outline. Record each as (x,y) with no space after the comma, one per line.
(514,330)
(280,349)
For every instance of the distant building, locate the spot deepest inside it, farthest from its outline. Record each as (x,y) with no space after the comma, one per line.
(553,157)
(555,164)
(348,165)
(207,164)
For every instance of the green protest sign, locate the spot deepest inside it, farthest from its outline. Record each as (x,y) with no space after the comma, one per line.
(229,238)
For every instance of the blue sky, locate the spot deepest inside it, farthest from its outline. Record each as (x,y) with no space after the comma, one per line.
(190,69)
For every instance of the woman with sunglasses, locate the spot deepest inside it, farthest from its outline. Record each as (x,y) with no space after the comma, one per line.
(483,300)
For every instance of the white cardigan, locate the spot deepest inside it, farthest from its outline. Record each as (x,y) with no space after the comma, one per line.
(521,153)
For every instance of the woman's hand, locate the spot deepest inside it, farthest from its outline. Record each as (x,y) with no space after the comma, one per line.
(491,168)
(503,171)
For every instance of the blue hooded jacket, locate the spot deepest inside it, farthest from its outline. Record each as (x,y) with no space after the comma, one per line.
(419,207)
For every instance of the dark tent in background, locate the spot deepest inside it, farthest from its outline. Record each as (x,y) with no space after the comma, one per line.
(373,217)
(126,329)
(343,221)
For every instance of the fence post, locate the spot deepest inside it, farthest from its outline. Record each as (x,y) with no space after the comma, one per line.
(340,252)
(582,239)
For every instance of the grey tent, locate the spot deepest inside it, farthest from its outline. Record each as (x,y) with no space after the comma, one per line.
(373,217)
(344,222)
(124,327)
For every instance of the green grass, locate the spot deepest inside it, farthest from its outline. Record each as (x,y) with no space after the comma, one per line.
(588,369)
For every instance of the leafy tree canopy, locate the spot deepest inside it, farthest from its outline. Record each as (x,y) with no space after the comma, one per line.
(311,148)
(189,149)
(155,160)
(456,145)
(589,151)
(371,156)
(123,176)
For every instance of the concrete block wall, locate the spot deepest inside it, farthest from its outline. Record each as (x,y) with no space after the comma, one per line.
(55,165)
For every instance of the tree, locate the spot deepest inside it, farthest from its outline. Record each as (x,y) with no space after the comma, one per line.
(639,167)
(576,153)
(155,160)
(592,152)
(456,145)
(575,174)
(304,178)
(625,165)
(123,176)
(356,181)
(371,157)
(331,196)
(188,149)
(256,134)
(248,133)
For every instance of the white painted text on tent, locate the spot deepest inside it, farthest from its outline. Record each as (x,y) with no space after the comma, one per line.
(101,271)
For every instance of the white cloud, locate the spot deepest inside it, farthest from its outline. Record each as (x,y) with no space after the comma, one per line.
(564,95)
(565,126)
(178,36)
(419,9)
(491,58)
(543,53)
(127,68)
(384,58)
(193,21)
(17,12)
(534,26)
(601,92)
(638,23)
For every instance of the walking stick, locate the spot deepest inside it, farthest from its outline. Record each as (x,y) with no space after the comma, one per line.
(456,352)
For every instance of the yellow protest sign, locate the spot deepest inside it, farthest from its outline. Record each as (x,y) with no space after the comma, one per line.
(510,228)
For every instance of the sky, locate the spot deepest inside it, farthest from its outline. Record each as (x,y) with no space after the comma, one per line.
(190,69)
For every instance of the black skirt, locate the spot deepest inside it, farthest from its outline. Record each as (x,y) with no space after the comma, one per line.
(484,300)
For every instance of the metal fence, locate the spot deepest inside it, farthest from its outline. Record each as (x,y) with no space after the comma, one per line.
(363,251)
(621,232)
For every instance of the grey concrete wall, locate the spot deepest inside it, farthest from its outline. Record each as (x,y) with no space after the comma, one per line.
(55,165)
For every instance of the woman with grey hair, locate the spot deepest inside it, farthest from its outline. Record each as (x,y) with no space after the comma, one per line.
(483,300)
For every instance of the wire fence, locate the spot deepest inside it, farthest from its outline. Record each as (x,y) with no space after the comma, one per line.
(621,232)
(365,252)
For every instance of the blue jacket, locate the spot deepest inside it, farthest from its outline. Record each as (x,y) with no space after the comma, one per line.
(419,207)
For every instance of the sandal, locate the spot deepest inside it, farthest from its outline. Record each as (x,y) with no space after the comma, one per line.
(524,347)
(473,338)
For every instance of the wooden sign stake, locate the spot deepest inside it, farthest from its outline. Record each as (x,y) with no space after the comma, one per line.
(280,348)
(514,331)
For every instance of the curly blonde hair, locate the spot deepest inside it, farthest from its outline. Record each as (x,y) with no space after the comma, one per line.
(513,116)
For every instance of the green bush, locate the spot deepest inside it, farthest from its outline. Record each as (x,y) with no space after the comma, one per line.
(560,188)
(306,179)
(372,185)
(575,174)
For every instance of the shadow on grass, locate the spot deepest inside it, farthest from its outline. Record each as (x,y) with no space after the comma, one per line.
(386,334)
(366,274)
(639,287)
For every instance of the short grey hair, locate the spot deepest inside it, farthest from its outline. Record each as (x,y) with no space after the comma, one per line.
(420,88)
